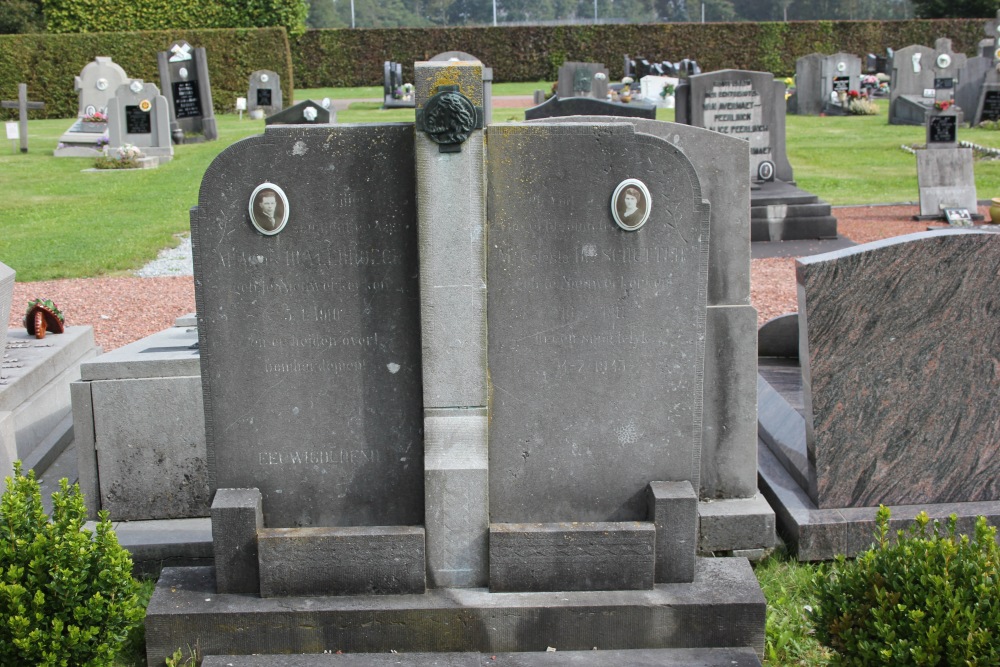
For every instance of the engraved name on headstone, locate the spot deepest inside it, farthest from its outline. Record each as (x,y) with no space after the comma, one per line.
(310,336)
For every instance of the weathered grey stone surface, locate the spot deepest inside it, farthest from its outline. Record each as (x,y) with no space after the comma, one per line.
(673,509)
(341,561)
(912,75)
(945,180)
(722,607)
(582,80)
(306,112)
(185,83)
(97,84)
(150,443)
(453,337)
(579,556)
(709,657)
(744,104)
(130,123)
(236,521)
(969,89)
(265,92)
(6,297)
(82,413)
(35,389)
(462,56)
(162,543)
(586,106)
(735,524)
(818,75)
(8,444)
(901,337)
(172,352)
(596,334)
(456,485)
(327,419)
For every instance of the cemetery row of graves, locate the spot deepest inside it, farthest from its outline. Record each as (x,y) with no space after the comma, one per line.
(490,382)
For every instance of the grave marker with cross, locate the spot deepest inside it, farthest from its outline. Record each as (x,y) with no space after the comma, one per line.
(22,105)
(946,66)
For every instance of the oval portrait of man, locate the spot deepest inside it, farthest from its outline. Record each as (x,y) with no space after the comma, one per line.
(268,209)
(630,204)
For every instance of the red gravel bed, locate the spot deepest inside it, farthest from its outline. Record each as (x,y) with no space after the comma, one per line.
(123,310)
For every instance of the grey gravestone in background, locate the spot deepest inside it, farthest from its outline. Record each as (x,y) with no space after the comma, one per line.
(912,76)
(748,105)
(96,85)
(306,112)
(596,334)
(945,179)
(310,338)
(898,361)
(265,92)
(6,297)
(185,83)
(988,103)
(138,115)
(818,75)
(583,80)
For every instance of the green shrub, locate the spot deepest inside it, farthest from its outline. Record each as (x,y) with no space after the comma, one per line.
(927,597)
(67,596)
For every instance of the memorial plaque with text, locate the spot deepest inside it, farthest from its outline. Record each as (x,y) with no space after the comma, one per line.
(596,326)
(263,97)
(991,105)
(137,121)
(310,337)
(187,103)
(943,130)
(944,83)
(841,84)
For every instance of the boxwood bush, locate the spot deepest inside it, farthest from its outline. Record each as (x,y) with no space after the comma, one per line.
(926,596)
(67,596)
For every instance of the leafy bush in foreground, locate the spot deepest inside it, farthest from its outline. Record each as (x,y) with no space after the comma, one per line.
(929,597)
(67,596)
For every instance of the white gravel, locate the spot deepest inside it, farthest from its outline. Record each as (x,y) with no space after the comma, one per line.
(171,261)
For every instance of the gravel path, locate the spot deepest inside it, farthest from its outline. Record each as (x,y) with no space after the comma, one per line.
(125,309)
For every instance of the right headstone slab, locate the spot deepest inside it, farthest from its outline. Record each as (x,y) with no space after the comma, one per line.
(597,281)
(898,345)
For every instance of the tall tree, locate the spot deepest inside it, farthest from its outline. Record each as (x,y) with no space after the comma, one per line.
(19,16)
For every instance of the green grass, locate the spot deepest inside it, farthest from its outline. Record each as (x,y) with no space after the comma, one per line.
(789,636)
(62,222)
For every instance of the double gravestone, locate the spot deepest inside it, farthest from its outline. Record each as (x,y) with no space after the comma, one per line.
(368,414)
(751,106)
(822,83)
(186,86)
(987,106)
(886,395)
(922,76)
(96,85)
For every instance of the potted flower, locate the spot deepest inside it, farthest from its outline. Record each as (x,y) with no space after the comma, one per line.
(943,105)
(667,94)
(94,122)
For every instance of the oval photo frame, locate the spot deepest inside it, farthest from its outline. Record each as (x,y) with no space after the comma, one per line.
(260,206)
(620,211)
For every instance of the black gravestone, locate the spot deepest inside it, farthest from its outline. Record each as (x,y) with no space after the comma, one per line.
(263,97)
(595,334)
(943,129)
(944,83)
(991,105)
(310,338)
(137,121)
(187,103)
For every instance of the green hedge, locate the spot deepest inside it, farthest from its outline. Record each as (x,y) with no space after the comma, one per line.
(344,57)
(49,63)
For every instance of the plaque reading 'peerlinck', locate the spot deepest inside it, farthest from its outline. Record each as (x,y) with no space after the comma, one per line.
(310,339)
(596,332)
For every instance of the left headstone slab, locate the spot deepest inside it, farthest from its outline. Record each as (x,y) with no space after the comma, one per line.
(309,325)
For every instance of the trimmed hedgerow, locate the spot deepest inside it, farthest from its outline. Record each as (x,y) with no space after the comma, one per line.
(924,597)
(67,596)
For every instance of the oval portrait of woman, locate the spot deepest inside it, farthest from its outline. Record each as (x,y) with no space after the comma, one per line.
(630,204)
(268,209)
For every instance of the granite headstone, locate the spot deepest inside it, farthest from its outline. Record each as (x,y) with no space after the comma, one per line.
(392,83)
(987,106)
(96,85)
(306,112)
(556,107)
(582,80)
(138,115)
(462,56)
(898,357)
(309,329)
(822,83)
(185,83)
(945,177)
(596,322)
(265,92)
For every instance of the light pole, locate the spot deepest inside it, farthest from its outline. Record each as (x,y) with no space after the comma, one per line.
(352,13)
(595,11)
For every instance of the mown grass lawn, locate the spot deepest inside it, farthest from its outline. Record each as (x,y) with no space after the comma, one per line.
(61,221)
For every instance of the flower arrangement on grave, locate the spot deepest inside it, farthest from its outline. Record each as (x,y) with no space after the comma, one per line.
(397,93)
(126,156)
(626,92)
(943,105)
(668,90)
(407,91)
(103,140)
(862,106)
(43,315)
(96,117)
(853,95)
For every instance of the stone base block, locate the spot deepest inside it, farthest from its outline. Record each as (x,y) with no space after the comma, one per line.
(36,375)
(667,657)
(362,560)
(531,557)
(673,507)
(166,543)
(783,212)
(734,524)
(722,607)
